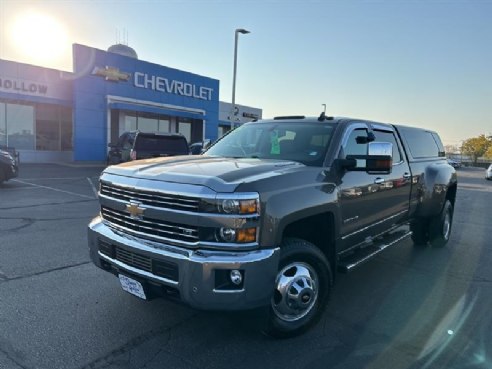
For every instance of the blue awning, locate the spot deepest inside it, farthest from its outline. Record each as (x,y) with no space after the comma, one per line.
(156,110)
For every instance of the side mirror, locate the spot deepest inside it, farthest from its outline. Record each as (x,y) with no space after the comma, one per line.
(365,139)
(379,159)
(206,144)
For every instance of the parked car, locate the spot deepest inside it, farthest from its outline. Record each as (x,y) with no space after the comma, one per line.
(268,214)
(488,172)
(455,164)
(8,166)
(135,145)
(197,148)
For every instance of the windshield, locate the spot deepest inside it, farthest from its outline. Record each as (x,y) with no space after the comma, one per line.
(303,142)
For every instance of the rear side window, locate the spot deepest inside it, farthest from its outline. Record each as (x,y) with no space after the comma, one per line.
(421,143)
(161,144)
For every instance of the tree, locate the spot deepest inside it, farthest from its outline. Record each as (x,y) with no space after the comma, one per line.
(476,147)
(488,153)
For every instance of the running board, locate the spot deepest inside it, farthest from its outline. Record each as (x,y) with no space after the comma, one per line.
(362,255)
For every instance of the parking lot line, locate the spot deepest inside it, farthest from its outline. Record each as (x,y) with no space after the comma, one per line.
(49,178)
(92,186)
(53,189)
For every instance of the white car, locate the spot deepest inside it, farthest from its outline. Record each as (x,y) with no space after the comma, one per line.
(488,172)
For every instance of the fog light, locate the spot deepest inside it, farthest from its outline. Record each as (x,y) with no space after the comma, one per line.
(227,234)
(236,277)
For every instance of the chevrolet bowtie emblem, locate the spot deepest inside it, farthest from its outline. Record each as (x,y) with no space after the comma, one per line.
(111,74)
(135,210)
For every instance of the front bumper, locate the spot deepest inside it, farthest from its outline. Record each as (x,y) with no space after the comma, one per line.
(197,276)
(10,170)
(14,171)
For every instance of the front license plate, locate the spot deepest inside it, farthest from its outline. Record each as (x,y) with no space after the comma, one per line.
(132,286)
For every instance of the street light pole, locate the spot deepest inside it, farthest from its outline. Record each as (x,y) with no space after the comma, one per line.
(233,109)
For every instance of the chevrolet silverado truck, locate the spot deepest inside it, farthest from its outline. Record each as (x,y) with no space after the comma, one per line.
(269,213)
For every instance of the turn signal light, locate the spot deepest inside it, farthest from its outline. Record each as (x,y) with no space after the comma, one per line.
(247,206)
(246,235)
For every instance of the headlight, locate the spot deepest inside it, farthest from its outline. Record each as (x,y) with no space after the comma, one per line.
(240,204)
(231,206)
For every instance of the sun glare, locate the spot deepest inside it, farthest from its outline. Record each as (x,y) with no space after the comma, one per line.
(39,37)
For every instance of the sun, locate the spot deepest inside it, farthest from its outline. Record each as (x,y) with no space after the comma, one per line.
(39,37)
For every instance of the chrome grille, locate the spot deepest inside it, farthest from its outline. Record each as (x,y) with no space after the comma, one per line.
(152,198)
(150,226)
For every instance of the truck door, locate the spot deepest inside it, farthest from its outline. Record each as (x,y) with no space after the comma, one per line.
(371,203)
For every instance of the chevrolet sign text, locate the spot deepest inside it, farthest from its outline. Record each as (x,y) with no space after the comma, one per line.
(8,84)
(156,83)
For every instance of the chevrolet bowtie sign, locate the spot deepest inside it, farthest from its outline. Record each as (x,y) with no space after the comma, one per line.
(111,74)
(136,212)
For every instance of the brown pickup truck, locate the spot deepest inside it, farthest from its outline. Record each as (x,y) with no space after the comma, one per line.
(266,216)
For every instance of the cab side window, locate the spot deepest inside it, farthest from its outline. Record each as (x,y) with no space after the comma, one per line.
(354,148)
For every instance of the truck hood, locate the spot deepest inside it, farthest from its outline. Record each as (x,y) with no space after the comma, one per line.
(217,173)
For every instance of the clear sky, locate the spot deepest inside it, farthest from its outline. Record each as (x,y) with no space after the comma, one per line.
(422,63)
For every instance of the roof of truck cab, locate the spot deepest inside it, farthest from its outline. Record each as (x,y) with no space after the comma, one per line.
(310,119)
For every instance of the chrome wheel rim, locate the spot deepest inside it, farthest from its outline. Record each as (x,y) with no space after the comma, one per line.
(446,226)
(296,291)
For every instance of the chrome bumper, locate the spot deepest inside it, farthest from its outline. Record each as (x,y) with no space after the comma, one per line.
(197,280)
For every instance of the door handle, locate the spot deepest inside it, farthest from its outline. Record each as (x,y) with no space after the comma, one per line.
(406,175)
(379,180)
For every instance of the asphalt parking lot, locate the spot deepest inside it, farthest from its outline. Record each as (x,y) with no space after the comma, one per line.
(407,308)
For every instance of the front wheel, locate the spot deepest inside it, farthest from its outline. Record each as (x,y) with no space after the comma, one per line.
(302,286)
(440,226)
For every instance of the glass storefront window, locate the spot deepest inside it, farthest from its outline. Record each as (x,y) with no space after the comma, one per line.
(48,135)
(192,129)
(223,130)
(185,129)
(47,128)
(20,126)
(145,124)
(130,123)
(43,127)
(164,125)
(53,128)
(66,130)
(3,126)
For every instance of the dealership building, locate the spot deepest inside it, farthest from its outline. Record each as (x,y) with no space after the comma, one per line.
(49,115)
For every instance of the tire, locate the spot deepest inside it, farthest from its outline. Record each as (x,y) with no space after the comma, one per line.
(3,177)
(420,232)
(440,226)
(305,272)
